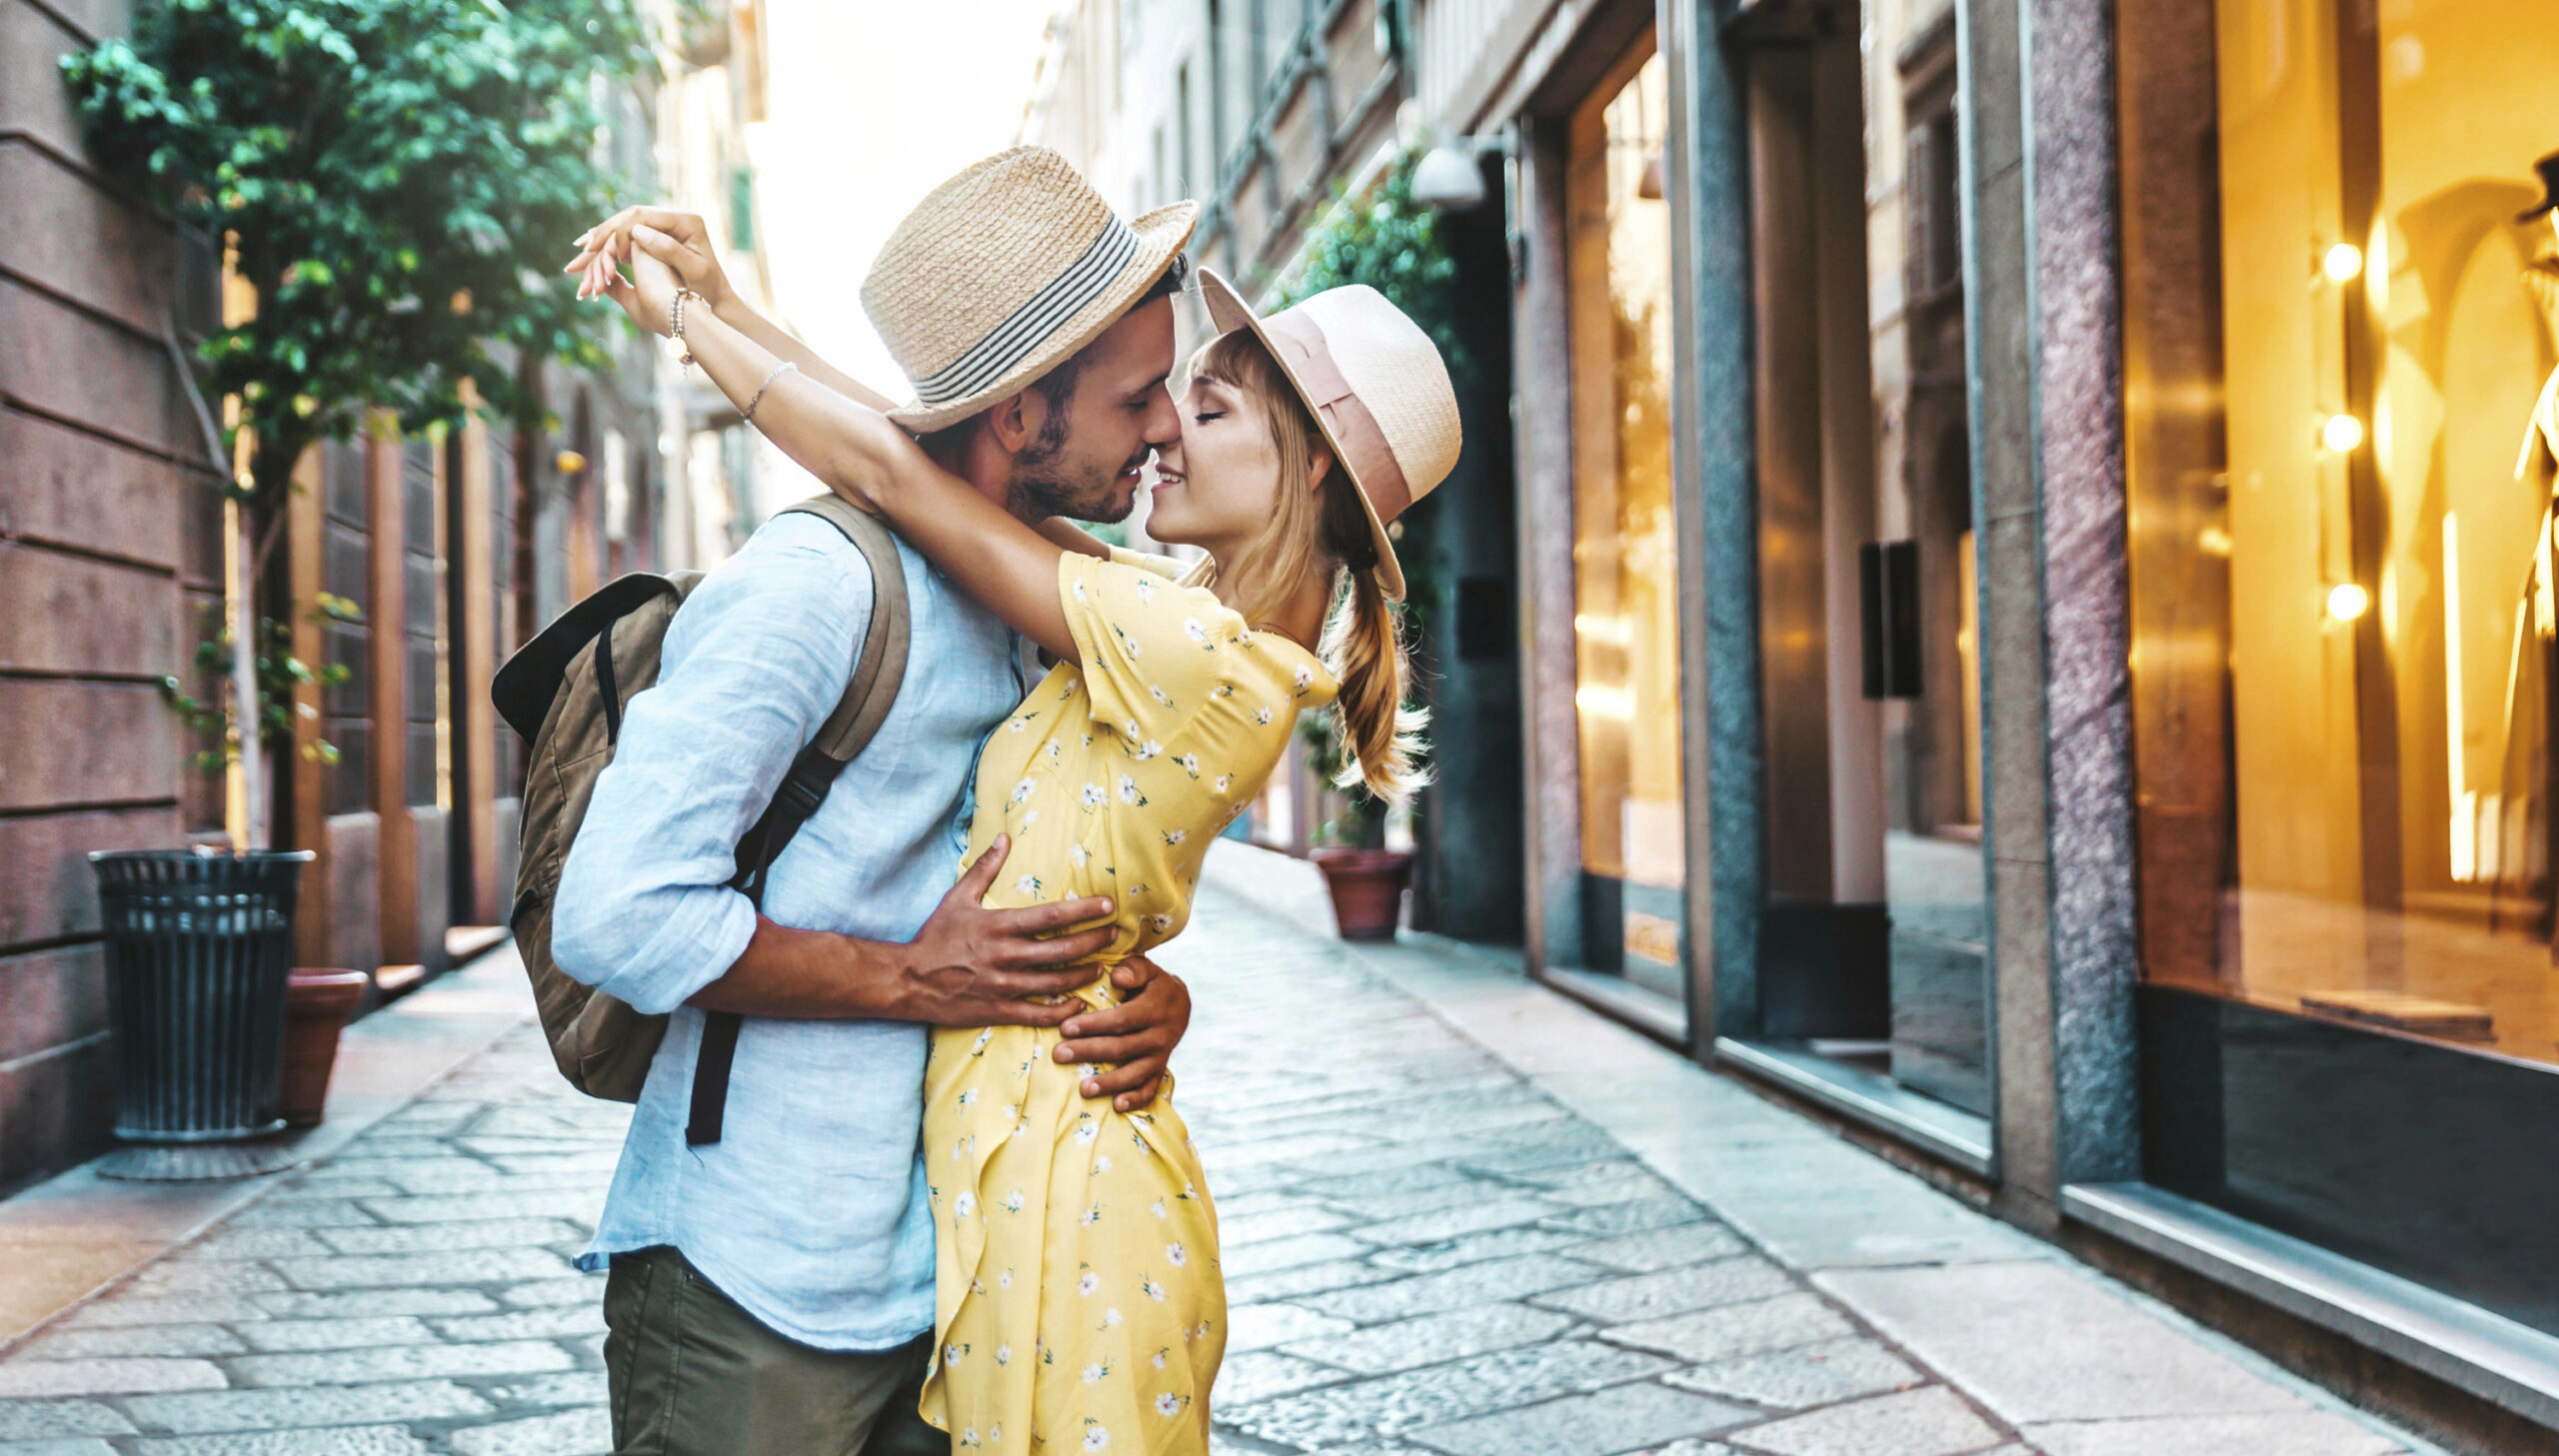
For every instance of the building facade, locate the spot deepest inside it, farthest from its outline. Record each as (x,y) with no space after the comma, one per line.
(2022,541)
(117,559)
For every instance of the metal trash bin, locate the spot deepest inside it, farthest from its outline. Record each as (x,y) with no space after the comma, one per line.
(199,950)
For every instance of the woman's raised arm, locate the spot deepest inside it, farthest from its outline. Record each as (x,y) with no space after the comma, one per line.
(864,456)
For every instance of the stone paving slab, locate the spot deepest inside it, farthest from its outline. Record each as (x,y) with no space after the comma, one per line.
(1435,1246)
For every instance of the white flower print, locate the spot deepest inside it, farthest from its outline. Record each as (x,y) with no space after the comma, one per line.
(1093,795)
(1089,1284)
(1021,792)
(1176,837)
(1078,856)
(950,1354)
(1111,1318)
(1261,715)
(982,1038)
(1054,748)
(1079,586)
(1087,1130)
(1013,1201)
(1151,1290)
(1148,750)
(1161,1211)
(1192,627)
(1096,1437)
(1129,645)
(1072,683)
(1244,639)
(1029,817)
(967,1204)
(1159,923)
(1190,765)
(1222,782)
(1304,678)
(1159,1354)
(1101,1164)
(1129,730)
(1004,1280)
(1145,589)
(1128,790)
(1004,1354)
(968,1096)
(1089,1217)
(1159,695)
(967,1435)
(1092,1374)
(1169,1404)
(1028,884)
(1177,1253)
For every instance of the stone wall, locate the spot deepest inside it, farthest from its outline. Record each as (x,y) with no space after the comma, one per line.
(110,566)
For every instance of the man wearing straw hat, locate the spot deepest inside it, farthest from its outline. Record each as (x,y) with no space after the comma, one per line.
(769,1292)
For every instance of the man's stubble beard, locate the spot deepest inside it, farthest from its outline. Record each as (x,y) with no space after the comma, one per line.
(1045,482)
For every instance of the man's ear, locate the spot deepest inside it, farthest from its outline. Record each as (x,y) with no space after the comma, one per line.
(1016,419)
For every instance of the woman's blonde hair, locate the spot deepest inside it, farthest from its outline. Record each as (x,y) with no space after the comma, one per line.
(1326,531)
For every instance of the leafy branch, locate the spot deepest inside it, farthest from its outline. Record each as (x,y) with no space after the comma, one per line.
(279,673)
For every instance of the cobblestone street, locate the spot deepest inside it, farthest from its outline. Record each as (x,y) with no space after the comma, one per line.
(1434,1239)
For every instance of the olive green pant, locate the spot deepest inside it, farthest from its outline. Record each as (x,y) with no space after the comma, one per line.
(692,1374)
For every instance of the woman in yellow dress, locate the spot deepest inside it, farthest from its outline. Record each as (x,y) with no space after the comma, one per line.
(1080,1303)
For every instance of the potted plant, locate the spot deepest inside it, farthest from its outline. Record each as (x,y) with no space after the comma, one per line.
(1366,879)
(317,1004)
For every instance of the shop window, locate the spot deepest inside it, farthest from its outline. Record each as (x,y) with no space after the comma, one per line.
(1626,559)
(2341,466)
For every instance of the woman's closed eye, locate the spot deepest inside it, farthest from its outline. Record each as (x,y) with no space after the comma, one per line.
(1206,416)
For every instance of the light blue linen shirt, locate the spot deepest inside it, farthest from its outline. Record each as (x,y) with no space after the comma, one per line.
(811,1210)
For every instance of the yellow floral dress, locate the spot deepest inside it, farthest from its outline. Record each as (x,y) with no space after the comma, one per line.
(1080,1307)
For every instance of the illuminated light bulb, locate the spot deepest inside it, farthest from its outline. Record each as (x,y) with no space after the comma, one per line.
(2343,262)
(2342,434)
(2346,602)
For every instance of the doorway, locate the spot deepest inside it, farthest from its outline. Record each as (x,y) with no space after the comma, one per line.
(1873,986)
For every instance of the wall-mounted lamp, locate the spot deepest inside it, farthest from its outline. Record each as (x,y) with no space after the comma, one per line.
(2342,434)
(1450,177)
(2347,602)
(2343,263)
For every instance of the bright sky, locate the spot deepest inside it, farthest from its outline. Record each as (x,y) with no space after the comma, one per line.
(872,103)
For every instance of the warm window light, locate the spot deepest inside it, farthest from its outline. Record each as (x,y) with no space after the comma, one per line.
(2343,262)
(2346,602)
(2342,434)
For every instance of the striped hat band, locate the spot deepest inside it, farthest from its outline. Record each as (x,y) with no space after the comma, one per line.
(1011,340)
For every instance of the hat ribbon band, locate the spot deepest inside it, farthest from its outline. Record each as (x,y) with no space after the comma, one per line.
(1365,452)
(1031,325)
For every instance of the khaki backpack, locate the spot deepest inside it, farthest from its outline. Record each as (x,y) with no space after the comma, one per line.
(565,692)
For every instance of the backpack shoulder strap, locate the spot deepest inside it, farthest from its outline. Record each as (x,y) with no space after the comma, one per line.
(883,664)
(877,674)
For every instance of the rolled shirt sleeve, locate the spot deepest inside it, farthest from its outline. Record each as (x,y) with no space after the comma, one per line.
(752,666)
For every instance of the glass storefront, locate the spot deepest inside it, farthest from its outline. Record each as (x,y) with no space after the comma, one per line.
(2342,317)
(1626,580)
(2383,529)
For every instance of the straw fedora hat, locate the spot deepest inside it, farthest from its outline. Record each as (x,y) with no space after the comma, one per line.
(1375,384)
(1001,272)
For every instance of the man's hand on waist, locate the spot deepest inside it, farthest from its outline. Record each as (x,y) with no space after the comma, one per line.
(1137,1035)
(969,966)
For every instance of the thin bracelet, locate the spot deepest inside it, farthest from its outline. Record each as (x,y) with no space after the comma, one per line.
(778,370)
(675,324)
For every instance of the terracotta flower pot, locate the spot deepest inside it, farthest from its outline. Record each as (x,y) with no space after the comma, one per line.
(316,1006)
(1367,889)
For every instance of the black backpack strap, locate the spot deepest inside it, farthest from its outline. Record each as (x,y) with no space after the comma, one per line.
(867,697)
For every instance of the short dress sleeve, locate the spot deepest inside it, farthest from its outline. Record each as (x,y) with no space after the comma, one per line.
(1159,656)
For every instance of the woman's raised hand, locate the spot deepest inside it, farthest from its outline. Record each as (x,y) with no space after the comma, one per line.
(680,240)
(647,296)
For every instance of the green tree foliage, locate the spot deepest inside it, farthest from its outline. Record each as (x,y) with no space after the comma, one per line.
(399,179)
